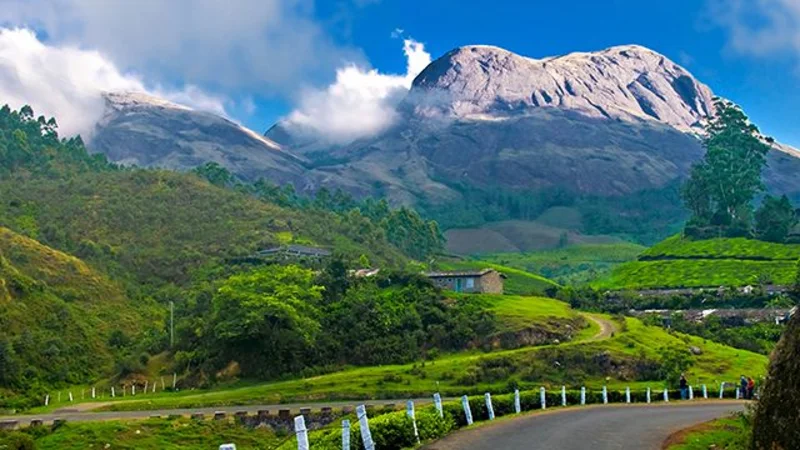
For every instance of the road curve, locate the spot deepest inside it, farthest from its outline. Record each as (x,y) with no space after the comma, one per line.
(615,427)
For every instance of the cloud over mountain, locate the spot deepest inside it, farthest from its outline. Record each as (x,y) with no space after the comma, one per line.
(68,82)
(361,102)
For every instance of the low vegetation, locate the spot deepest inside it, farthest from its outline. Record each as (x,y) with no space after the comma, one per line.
(573,265)
(731,433)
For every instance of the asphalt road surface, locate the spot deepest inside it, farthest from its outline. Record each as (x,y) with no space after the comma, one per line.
(615,427)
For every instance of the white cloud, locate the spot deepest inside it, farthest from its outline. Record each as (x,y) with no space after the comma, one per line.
(67,82)
(760,27)
(241,47)
(361,102)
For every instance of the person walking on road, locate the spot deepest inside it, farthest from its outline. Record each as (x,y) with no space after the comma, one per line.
(743,386)
(684,385)
(751,386)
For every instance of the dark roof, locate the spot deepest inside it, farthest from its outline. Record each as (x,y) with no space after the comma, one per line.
(299,249)
(459,273)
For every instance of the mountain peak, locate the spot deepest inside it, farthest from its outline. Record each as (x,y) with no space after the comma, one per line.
(627,82)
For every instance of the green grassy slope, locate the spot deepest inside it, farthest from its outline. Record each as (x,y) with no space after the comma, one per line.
(589,362)
(575,264)
(519,282)
(56,315)
(677,263)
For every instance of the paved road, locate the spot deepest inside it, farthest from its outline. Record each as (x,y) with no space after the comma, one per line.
(616,427)
(74,415)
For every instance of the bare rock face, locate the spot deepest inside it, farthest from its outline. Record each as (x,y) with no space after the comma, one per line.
(607,123)
(629,83)
(142,130)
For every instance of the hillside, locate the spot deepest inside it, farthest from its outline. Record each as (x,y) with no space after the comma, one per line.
(57,315)
(574,264)
(683,263)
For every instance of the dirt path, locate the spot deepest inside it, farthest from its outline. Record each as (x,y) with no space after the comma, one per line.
(607,327)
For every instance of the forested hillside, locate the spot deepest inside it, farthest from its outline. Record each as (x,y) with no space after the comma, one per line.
(92,253)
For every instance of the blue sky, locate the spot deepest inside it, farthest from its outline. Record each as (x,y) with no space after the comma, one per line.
(766,83)
(260,60)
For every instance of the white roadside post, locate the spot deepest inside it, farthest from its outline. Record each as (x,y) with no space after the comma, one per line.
(70,397)
(489,407)
(366,436)
(563,396)
(705,392)
(648,394)
(721,389)
(605,395)
(113,394)
(737,394)
(691,393)
(467,410)
(627,395)
(133,390)
(413,416)
(146,385)
(47,400)
(543,397)
(94,393)
(583,395)
(437,401)
(345,434)
(666,395)
(301,432)
(174,380)
(517,405)
(59,396)
(155,382)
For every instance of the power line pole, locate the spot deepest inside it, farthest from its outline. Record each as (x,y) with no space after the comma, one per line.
(171,324)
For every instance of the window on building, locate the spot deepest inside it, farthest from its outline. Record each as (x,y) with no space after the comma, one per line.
(470,283)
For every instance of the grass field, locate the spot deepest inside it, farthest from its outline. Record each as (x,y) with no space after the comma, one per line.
(697,273)
(575,264)
(682,263)
(519,282)
(153,434)
(724,248)
(730,433)
(477,372)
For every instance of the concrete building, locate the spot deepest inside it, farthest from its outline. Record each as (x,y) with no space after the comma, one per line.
(487,281)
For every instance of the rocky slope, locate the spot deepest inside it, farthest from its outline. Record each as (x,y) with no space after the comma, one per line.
(142,130)
(608,123)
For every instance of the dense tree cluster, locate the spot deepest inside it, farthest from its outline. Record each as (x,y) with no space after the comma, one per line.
(722,187)
(276,320)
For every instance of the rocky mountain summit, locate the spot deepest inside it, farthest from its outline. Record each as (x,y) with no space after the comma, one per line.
(139,129)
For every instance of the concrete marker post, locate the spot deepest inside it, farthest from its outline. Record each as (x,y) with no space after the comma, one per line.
(366,435)
(627,395)
(154,386)
(691,393)
(70,396)
(605,395)
(721,390)
(47,400)
(648,394)
(437,401)
(413,416)
(705,392)
(113,394)
(737,394)
(543,397)
(666,395)
(583,395)
(467,410)
(563,396)
(133,390)
(94,393)
(174,381)
(59,396)
(489,407)
(146,385)
(517,405)
(301,432)
(345,434)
